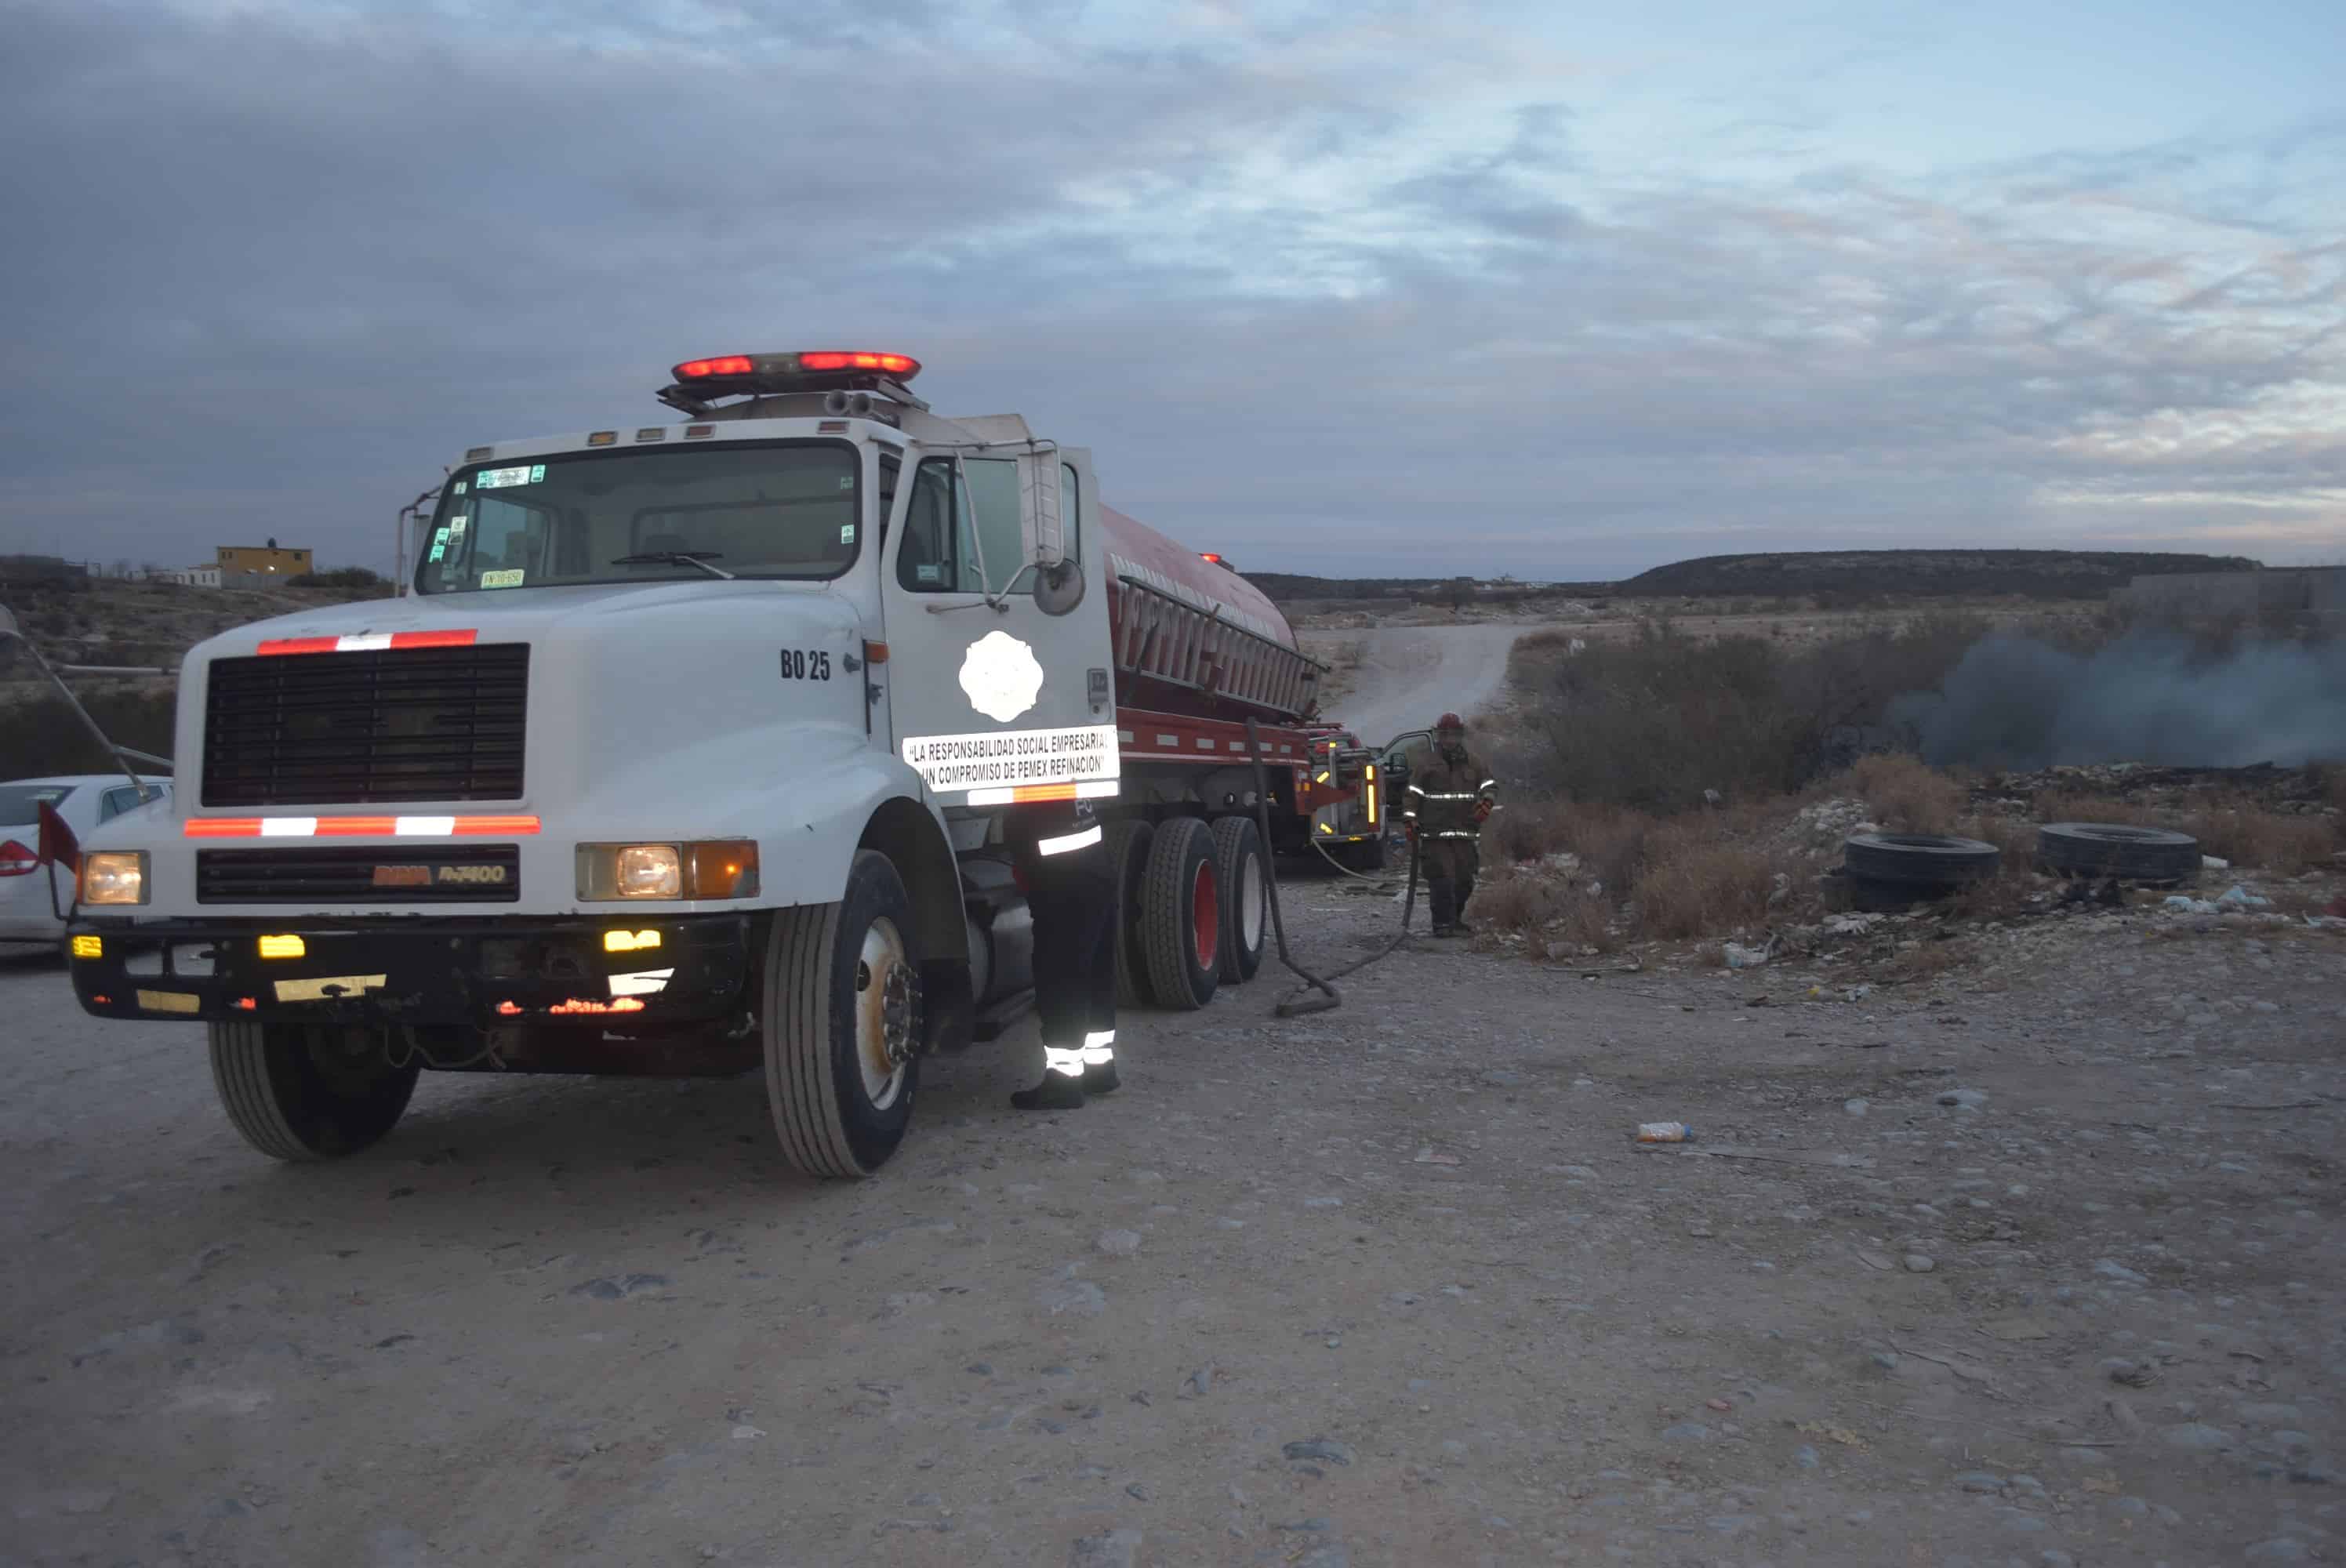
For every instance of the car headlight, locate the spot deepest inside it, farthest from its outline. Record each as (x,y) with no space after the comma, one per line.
(114,876)
(721,869)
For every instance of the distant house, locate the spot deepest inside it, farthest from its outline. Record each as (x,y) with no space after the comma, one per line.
(263,560)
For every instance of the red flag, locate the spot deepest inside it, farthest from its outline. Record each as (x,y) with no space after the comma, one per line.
(57,842)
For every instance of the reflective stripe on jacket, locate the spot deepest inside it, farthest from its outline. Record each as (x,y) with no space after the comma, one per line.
(1443,795)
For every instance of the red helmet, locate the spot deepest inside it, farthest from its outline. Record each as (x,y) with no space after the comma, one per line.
(1449,721)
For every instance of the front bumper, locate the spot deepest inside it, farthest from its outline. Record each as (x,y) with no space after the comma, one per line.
(481,971)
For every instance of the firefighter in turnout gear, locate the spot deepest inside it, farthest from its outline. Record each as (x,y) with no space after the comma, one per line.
(1070,883)
(1451,795)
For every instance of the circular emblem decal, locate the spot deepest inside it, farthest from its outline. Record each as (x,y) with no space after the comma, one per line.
(1001,677)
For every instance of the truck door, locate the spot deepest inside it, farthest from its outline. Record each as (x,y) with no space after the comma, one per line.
(991,698)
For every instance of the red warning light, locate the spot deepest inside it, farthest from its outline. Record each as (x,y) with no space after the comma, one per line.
(902,366)
(731,365)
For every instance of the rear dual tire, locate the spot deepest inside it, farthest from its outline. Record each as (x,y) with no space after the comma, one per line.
(1181,915)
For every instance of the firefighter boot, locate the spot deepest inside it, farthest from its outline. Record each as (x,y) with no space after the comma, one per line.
(1062,1088)
(1442,893)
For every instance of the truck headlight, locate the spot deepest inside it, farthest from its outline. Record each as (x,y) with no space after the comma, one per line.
(114,876)
(721,869)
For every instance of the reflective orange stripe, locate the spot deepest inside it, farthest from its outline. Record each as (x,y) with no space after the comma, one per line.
(415,827)
(370,642)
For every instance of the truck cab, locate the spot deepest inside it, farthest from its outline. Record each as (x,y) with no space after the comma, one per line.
(684,749)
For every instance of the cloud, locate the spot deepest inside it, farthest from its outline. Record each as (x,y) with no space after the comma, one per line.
(1331,286)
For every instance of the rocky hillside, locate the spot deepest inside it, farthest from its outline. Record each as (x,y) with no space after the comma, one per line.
(2036,573)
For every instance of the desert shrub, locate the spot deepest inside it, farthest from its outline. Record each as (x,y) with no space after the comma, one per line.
(2282,843)
(1697,882)
(1905,793)
(1527,829)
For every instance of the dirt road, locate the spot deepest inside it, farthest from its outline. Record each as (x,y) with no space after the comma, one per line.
(1410,675)
(1388,1286)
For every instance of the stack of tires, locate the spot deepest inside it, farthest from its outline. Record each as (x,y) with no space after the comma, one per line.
(1896,870)
(1196,908)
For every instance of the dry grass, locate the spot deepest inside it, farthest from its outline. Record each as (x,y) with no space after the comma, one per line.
(1697,882)
(1905,793)
(1511,902)
(1526,830)
(1929,961)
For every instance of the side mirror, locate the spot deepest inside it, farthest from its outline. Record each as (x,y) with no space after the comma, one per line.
(1039,524)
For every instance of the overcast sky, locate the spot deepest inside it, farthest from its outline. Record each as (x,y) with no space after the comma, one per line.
(1350,287)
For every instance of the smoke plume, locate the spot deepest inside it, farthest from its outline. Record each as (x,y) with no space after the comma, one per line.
(2015,702)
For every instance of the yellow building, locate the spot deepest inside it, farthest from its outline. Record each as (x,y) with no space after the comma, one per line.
(265,559)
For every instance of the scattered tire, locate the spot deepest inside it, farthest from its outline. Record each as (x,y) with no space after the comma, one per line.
(1181,913)
(840,1014)
(2117,850)
(1918,859)
(1128,846)
(301,1092)
(1242,868)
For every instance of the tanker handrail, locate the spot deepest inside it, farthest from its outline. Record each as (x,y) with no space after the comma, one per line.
(1273,678)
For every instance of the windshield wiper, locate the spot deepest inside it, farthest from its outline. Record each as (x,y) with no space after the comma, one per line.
(699,558)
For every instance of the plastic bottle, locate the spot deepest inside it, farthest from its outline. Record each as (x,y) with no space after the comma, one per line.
(1663,1132)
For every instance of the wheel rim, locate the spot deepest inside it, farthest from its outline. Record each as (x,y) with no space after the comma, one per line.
(1205,915)
(887,1001)
(1251,902)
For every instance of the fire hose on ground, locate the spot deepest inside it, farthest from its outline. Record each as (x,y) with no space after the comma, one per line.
(1317,993)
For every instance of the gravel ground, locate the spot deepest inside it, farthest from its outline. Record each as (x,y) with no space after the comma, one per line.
(2035,1263)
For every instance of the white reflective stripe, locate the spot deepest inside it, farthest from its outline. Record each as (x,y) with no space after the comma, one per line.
(1415,790)
(1082,838)
(1071,1063)
(1097,789)
(1489,784)
(370,642)
(1465,795)
(643,982)
(989,797)
(289,827)
(1099,1047)
(423,826)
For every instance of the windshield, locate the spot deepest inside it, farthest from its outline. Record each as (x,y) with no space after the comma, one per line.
(774,509)
(21,803)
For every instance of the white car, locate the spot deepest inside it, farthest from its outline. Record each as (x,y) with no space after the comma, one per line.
(84,800)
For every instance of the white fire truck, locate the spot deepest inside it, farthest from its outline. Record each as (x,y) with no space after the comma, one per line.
(688,753)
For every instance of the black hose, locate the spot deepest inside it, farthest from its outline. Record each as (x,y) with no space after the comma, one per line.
(1299,1001)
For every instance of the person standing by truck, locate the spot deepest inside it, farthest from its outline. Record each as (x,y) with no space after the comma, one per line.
(1057,853)
(1451,795)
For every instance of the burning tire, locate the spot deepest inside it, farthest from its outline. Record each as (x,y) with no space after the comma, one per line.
(1238,865)
(1128,846)
(299,1092)
(2116,849)
(1918,860)
(841,1017)
(1181,915)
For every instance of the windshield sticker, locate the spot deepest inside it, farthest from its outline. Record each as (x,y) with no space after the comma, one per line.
(847,482)
(459,487)
(929,572)
(505,579)
(847,533)
(456,526)
(439,544)
(505,478)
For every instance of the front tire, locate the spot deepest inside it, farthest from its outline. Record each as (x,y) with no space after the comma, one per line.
(841,1017)
(301,1092)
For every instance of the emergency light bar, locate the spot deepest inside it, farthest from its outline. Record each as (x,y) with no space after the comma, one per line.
(700,381)
(794,372)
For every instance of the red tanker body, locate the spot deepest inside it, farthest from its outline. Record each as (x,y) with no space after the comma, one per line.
(1194,637)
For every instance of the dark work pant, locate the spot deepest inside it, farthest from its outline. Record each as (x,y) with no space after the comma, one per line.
(1073,897)
(1449,865)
